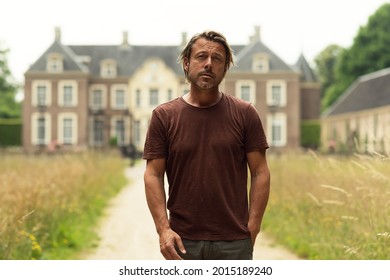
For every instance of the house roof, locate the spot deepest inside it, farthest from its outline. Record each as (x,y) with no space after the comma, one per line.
(69,57)
(367,92)
(244,57)
(87,58)
(307,73)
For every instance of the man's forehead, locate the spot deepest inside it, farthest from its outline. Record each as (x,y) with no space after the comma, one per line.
(204,44)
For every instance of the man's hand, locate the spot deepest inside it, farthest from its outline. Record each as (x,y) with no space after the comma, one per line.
(254,230)
(169,240)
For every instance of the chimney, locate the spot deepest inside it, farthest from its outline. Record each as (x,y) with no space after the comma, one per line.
(125,41)
(57,34)
(256,36)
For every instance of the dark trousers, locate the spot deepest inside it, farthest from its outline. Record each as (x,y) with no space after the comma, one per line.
(218,250)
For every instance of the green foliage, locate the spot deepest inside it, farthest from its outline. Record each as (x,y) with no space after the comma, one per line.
(368,53)
(326,64)
(310,134)
(9,108)
(10,132)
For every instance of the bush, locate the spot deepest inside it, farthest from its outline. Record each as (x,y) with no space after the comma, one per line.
(310,134)
(10,132)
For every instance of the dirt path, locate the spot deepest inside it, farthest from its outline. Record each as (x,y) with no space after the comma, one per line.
(127,230)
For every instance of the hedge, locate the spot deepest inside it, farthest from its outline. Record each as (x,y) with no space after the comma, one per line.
(10,132)
(310,134)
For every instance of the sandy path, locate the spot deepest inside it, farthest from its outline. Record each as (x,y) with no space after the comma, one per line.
(127,230)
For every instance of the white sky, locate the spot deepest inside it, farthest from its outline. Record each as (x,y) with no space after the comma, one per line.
(288,27)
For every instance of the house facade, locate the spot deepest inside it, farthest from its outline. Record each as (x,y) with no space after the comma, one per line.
(82,97)
(359,121)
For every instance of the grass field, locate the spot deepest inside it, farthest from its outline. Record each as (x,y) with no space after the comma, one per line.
(321,207)
(49,205)
(330,208)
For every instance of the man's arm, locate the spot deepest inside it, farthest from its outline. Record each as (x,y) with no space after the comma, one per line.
(259,190)
(155,196)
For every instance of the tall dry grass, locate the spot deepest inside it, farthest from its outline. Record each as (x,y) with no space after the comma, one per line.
(328,207)
(49,204)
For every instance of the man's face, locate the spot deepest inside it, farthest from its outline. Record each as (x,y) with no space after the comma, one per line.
(206,66)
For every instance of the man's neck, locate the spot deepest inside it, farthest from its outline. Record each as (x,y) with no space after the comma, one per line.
(203,98)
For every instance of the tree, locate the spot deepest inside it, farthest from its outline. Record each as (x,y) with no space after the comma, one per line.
(325,63)
(368,53)
(9,108)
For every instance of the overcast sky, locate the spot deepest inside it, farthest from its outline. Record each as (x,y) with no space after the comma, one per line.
(288,27)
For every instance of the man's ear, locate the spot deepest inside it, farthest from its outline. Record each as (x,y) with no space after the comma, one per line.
(186,64)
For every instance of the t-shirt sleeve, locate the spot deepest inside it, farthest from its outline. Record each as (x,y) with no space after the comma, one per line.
(156,138)
(255,138)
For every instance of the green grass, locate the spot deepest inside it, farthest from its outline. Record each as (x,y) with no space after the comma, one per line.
(330,208)
(50,205)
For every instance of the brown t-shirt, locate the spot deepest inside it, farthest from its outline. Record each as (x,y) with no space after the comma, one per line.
(205,149)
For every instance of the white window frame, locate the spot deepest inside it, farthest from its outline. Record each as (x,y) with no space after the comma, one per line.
(108,68)
(34,98)
(55,63)
(103,90)
(283,93)
(138,98)
(260,63)
(137,132)
(61,129)
(277,120)
(153,96)
(34,128)
(61,93)
(114,96)
(252,90)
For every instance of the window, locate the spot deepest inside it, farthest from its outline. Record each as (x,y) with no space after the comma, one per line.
(67,128)
(98,132)
(260,63)
(246,90)
(137,132)
(41,93)
(67,93)
(108,68)
(120,132)
(120,98)
(41,131)
(276,93)
(170,95)
(54,63)
(97,99)
(138,98)
(41,96)
(68,96)
(153,97)
(245,93)
(67,131)
(277,129)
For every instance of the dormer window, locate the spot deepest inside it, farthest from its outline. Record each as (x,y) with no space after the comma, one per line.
(54,63)
(108,68)
(260,63)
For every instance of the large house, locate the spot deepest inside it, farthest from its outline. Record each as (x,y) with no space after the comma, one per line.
(359,120)
(88,96)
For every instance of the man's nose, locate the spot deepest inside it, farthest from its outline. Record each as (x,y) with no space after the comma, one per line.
(208,63)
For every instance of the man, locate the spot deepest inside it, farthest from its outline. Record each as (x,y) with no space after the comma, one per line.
(204,141)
